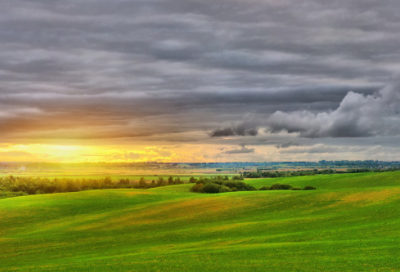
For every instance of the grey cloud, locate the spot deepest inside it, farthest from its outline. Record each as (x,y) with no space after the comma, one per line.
(243,129)
(36,112)
(242,150)
(286,145)
(357,116)
(321,148)
(142,69)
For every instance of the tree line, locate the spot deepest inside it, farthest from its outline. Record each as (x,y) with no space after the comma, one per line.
(18,186)
(278,174)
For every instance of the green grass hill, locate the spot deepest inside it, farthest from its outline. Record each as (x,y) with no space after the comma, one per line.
(350,223)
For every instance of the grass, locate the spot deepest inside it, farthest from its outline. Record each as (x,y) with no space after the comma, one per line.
(350,223)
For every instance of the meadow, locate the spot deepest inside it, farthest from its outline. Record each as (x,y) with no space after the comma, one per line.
(350,223)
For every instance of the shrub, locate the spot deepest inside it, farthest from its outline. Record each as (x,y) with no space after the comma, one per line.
(237,178)
(225,189)
(220,186)
(239,185)
(211,188)
(203,180)
(278,186)
(12,194)
(196,188)
(264,188)
(308,187)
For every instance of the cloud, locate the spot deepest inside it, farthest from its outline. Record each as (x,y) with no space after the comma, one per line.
(164,153)
(17,156)
(321,148)
(243,129)
(125,156)
(160,152)
(162,72)
(242,150)
(357,116)
(286,145)
(133,156)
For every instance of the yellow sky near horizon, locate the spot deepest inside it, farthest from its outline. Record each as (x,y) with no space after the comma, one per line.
(169,153)
(77,153)
(112,153)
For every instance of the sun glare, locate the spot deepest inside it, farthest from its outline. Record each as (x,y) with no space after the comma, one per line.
(75,153)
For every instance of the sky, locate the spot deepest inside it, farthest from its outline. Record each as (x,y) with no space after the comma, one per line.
(199,80)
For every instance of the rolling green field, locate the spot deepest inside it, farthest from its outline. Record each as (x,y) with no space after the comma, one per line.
(350,223)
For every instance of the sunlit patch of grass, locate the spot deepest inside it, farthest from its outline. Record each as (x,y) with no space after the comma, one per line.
(135,193)
(370,197)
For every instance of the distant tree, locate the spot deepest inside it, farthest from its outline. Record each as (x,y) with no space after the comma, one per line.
(192,180)
(107,181)
(160,181)
(142,183)
(123,182)
(178,181)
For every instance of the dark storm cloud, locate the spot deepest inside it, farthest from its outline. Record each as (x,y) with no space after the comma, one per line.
(129,69)
(244,129)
